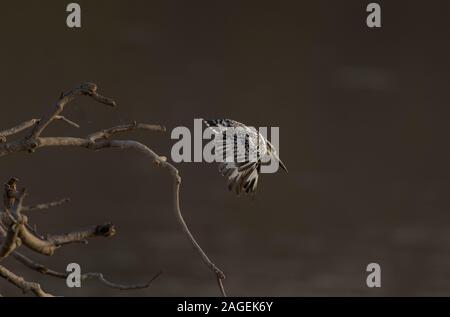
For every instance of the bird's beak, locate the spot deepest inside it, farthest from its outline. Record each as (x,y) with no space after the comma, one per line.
(283,166)
(280,162)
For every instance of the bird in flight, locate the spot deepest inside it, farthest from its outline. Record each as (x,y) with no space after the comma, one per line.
(242,150)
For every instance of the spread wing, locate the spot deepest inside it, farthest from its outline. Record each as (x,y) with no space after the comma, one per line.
(235,138)
(241,177)
(240,148)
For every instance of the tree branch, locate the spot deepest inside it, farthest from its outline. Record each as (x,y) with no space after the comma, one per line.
(127,144)
(106,230)
(28,124)
(69,122)
(86,89)
(86,276)
(19,282)
(97,141)
(106,134)
(23,126)
(46,205)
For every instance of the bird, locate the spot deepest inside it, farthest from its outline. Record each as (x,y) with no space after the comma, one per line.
(243,150)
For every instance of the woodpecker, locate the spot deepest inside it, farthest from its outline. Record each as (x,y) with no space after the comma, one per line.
(243,150)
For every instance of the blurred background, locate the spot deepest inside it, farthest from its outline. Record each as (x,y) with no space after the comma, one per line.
(363,116)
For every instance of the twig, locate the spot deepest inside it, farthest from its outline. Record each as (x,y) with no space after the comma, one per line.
(176,201)
(14,230)
(46,205)
(69,122)
(14,223)
(28,124)
(86,89)
(221,287)
(19,232)
(19,282)
(86,276)
(105,134)
(14,130)
(103,280)
(106,230)
(37,266)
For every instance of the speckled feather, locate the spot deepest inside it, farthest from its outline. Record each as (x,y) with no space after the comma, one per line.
(242,172)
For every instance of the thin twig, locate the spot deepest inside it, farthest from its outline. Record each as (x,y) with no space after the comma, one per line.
(69,122)
(28,124)
(103,280)
(19,282)
(14,130)
(86,276)
(86,89)
(105,134)
(19,232)
(221,287)
(46,205)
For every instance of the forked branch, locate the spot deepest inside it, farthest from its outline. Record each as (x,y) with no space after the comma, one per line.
(15,231)
(95,141)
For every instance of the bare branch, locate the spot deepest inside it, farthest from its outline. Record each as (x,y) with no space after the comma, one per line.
(176,200)
(13,221)
(105,134)
(221,287)
(86,89)
(86,143)
(103,280)
(105,230)
(28,124)
(2,230)
(35,242)
(19,282)
(69,122)
(97,141)
(11,241)
(14,130)
(37,266)
(87,276)
(46,205)
(19,232)
(48,245)
(161,162)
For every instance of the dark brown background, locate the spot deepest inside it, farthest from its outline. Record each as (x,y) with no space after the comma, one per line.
(363,115)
